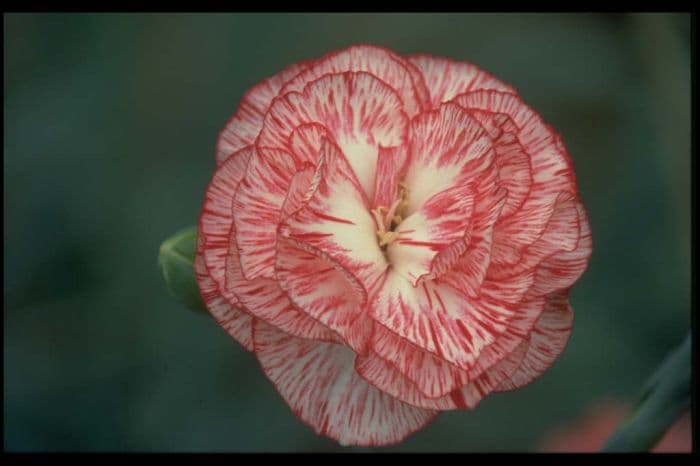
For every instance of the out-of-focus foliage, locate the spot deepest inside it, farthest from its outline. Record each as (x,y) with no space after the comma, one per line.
(110,125)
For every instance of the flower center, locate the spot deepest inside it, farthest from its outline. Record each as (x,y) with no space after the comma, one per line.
(388,218)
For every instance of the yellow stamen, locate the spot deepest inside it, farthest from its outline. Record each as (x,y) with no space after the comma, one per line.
(387,238)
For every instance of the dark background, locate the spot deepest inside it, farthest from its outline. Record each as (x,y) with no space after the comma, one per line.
(110,123)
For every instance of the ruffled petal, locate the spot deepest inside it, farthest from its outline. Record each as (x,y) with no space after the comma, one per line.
(562,234)
(551,171)
(546,342)
(264,299)
(235,321)
(512,160)
(319,383)
(245,125)
(323,289)
(437,231)
(391,164)
(257,206)
(446,78)
(562,269)
(448,148)
(387,378)
(431,375)
(216,220)
(336,220)
(359,111)
(439,319)
(381,63)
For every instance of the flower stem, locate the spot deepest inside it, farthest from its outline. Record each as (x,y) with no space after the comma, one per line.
(664,398)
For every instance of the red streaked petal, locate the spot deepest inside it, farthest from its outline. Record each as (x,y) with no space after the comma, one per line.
(385,65)
(305,142)
(518,326)
(391,163)
(448,147)
(512,160)
(446,78)
(301,186)
(245,125)
(547,341)
(467,272)
(216,220)
(439,319)
(431,375)
(264,299)
(562,269)
(319,383)
(551,170)
(235,321)
(438,230)
(336,220)
(325,291)
(561,235)
(389,379)
(359,112)
(257,205)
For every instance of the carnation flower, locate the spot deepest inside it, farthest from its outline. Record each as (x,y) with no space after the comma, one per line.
(392,237)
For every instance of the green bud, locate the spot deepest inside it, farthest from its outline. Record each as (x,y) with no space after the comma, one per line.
(176,258)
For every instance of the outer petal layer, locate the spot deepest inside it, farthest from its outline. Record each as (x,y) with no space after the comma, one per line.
(383,64)
(439,319)
(243,128)
(446,78)
(319,383)
(236,322)
(546,342)
(216,221)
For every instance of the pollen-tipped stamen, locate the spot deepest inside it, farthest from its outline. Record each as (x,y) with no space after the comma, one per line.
(387,219)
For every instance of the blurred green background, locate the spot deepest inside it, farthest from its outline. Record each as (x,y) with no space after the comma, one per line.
(110,126)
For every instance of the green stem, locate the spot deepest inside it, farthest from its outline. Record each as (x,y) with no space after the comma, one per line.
(664,398)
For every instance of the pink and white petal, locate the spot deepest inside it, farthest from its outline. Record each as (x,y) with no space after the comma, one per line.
(551,169)
(432,376)
(245,125)
(562,269)
(446,78)
(216,220)
(511,158)
(383,64)
(391,165)
(547,341)
(468,271)
(561,235)
(509,289)
(448,147)
(235,321)
(336,220)
(359,112)
(325,291)
(389,379)
(305,142)
(257,206)
(438,318)
(438,231)
(319,383)
(519,325)
(301,186)
(264,299)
